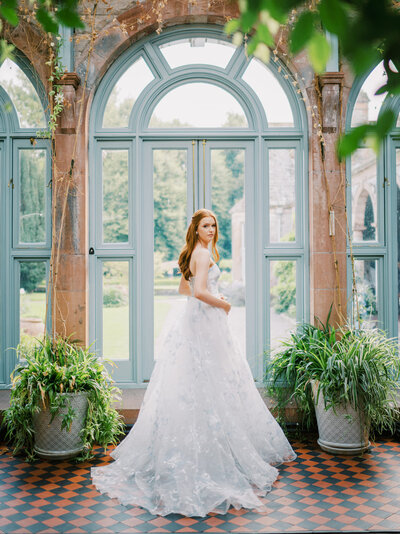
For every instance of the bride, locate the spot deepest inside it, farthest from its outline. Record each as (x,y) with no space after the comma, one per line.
(204,439)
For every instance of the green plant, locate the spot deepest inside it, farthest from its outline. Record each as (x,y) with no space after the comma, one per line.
(284,291)
(226,264)
(366,299)
(367,33)
(112,298)
(354,366)
(55,92)
(49,369)
(32,274)
(285,370)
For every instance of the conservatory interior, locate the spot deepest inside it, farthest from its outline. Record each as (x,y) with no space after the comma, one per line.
(158,125)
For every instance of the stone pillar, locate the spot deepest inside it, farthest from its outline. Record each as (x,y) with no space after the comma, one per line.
(324,283)
(69,182)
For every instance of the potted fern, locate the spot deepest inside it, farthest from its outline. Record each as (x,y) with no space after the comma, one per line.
(346,377)
(61,402)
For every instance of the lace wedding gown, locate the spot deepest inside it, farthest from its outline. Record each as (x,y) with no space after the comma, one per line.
(204,439)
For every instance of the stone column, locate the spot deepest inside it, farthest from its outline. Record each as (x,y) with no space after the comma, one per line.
(325,286)
(69,172)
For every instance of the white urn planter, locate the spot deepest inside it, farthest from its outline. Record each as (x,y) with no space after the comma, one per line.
(51,441)
(343,432)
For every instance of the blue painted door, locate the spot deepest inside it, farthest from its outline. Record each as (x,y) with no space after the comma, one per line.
(179,178)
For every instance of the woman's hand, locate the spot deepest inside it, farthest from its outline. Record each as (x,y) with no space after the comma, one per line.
(200,290)
(227,307)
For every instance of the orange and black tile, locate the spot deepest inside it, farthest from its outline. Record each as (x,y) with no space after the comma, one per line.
(317,492)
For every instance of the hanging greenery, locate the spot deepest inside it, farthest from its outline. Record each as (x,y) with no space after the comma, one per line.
(367,32)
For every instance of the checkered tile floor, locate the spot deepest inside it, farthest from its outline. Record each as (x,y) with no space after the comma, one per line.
(316,493)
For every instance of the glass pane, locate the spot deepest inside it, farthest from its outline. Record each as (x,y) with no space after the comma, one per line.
(23,95)
(271,94)
(32,300)
(116,310)
(170,200)
(282,300)
(282,195)
(125,93)
(227,201)
(368,105)
(398,234)
(115,196)
(32,200)
(197,50)
(366,273)
(364,195)
(198,105)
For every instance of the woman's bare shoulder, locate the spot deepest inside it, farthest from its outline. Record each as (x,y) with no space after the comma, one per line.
(200,253)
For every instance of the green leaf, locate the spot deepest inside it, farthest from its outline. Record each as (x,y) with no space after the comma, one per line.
(363,58)
(9,14)
(46,20)
(349,142)
(385,122)
(231,26)
(252,45)
(392,85)
(265,35)
(333,16)
(373,141)
(5,50)
(319,52)
(383,89)
(276,9)
(69,18)
(262,52)
(302,32)
(247,20)
(13,4)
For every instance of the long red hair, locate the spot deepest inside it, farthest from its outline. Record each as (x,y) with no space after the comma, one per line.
(191,240)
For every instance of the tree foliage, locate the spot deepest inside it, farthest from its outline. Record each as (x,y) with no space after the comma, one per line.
(367,32)
(25,98)
(49,13)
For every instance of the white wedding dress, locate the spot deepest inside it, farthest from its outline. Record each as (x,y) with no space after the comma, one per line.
(204,439)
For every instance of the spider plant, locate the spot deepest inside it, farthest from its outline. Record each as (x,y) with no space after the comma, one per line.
(285,369)
(349,366)
(48,370)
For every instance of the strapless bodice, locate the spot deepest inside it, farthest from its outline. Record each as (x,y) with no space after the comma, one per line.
(212,280)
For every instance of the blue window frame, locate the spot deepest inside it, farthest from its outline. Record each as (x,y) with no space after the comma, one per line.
(373,200)
(162,102)
(25,206)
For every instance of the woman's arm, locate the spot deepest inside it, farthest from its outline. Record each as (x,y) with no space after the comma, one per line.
(184,287)
(201,292)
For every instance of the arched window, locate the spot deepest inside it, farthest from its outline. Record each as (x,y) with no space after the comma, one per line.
(215,108)
(181,121)
(373,210)
(25,210)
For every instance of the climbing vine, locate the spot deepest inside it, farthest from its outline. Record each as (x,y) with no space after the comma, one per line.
(55,92)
